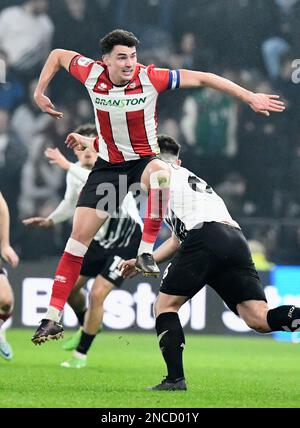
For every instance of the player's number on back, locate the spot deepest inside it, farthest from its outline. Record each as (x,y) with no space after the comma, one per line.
(199,185)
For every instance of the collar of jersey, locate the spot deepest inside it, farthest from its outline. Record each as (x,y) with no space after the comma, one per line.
(137,70)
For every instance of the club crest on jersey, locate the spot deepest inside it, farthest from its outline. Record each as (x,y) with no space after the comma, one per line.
(84,62)
(102,86)
(132,85)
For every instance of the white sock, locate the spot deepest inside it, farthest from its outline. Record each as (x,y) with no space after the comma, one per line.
(79,355)
(2,336)
(145,247)
(76,248)
(53,314)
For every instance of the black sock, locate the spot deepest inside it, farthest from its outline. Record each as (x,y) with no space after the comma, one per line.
(80,316)
(85,343)
(171,341)
(284,318)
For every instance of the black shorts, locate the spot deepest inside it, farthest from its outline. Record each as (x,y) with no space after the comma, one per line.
(217,255)
(104,262)
(103,189)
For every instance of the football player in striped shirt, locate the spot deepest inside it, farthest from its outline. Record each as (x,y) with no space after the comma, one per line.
(124,95)
(117,240)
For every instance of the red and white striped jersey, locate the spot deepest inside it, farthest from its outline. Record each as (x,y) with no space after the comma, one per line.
(125,115)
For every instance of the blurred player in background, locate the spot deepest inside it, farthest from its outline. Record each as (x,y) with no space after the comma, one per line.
(209,248)
(6,294)
(124,96)
(117,240)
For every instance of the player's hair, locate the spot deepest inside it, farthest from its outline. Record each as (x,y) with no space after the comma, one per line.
(117,37)
(168,146)
(87,130)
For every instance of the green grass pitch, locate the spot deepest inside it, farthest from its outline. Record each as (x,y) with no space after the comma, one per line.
(220,371)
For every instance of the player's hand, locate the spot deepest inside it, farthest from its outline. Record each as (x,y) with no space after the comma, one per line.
(264,104)
(75,141)
(9,255)
(127,268)
(57,158)
(46,105)
(38,221)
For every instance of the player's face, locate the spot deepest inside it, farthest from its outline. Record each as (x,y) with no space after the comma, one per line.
(121,63)
(87,158)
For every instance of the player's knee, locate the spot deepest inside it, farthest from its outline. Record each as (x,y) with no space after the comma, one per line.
(81,237)
(97,296)
(257,324)
(161,307)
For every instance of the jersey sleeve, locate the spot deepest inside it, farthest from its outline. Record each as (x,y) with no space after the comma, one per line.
(163,79)
(80,67)
(67,206)
(80,173)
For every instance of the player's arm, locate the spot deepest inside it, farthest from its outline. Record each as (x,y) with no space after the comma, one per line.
(260,103)
(166,250)
(7,252)
(80,142)
(57,158)
(57,59)
(63,212)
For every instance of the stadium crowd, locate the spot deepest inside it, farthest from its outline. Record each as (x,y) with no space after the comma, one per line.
(253,162)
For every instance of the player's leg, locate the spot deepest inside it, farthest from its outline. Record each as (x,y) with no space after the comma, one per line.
(238,284)
(6,308)
(183,278)
(260,318)
(171,340)
(103,265)
(86,223)
(156,179)
(77,301)
(93,319)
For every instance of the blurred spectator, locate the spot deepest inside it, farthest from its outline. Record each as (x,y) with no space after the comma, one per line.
(78,26)
(57,132)
(40,181)
(187,54)
(25,35)
(234,192)
(273,50)
(28,120)
(170,127)
(12,92)
(12,158)
(142,14)
(288,249)
(209,122)
(259,256)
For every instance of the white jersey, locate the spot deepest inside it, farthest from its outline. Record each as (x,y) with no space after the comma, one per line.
(192,203)
(117,230)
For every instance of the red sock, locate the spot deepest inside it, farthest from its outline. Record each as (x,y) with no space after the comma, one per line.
(156,208)
(66,275)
